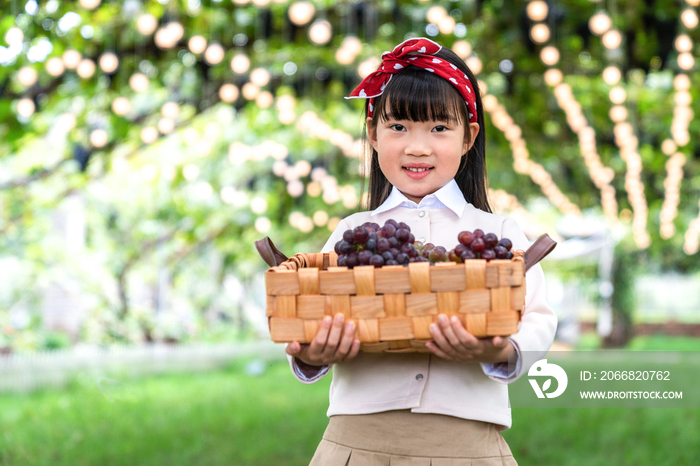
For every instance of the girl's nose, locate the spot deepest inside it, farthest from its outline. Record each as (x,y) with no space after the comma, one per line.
(417,145)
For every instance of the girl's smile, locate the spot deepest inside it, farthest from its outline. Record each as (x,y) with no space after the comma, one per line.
(420,157)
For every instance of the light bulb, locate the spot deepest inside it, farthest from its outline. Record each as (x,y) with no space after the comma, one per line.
(138,82)
(320,32)
(99,138)
(344,56)
(228,93)
(549,55)
(264,99)
(260,77)
(537,10)
(176,31)
(86,68)
(214,54)
(462,48)
(90,4)
(14,35)
(170,110)
(612,75)
(300,13)
(146,24)
(25,108)
(446,25)
(618,114)
(54,66)
(684,43)
(681,82)
(71,59)
(240,63)
(689,18)
(435,14)
(668,147)
(149,135)
(368,66)
(121,106)
(27,76)
(250,91)
(197,44)
(600,23)
(109,62)
(612,39)
(553,77)
(166,125)
(686,60)
(164,38)
(539,33)
(474,64)
(617,95)
(352,44)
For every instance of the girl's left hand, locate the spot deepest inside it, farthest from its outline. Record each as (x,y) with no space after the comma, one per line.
(452,342)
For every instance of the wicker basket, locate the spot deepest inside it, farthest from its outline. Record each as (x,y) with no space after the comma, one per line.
(393,306)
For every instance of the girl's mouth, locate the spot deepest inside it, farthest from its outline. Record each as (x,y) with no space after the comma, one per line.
(417,173)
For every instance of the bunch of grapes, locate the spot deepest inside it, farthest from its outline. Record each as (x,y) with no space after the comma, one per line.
(477,245)
(370,244)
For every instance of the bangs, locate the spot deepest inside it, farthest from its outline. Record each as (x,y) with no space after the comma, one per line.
(419,95)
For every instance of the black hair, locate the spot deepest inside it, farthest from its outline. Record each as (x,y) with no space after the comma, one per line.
(417,95)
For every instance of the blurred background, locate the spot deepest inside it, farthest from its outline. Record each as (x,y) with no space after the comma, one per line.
(145,145)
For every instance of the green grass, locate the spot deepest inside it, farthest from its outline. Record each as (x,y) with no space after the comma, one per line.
(229,418)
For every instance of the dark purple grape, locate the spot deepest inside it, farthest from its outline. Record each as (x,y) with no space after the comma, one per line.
(460,248)
(406,248)
(478,245)
(404,226)
(488,254)
(478,233)
(382,245)
(425,253)
(387,231)
(344,247)
(391,262)
(351,260)
(341,261)
(402,258)
(500,251)
(468,254)
(490,240)
(402,235)
(360,235)
(510,255)
(429,246)
(393,242)
(387,256)
(376,260)
(465,237)
(413,252)
(422,259)
(392,222)
(364,257)
(506,243)
(375,226)
(373,235)
(348,236)
(394,252)
(336,248)
(371,245)
(411,238)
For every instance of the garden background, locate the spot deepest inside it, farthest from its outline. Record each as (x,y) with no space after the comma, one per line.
(145,145)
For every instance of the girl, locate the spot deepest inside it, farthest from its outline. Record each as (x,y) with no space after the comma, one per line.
(425,124)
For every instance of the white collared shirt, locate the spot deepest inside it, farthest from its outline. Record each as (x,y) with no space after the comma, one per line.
(449,196)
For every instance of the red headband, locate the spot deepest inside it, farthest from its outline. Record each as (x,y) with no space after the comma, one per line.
(418,52)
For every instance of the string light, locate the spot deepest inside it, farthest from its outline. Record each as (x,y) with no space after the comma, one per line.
(320,32)
(170,110)
(54,66)
(435,13)
(689,18)
(264,99)
(692,236)
(27,76)
(300,13)
(600,23)
(462,48)
(146,24)
(197,44)
(86,68)
(214,54)
(228,93)
(549,55)
(25,108)
(537,10)
(612,39)
(138,82)
(71,59)
(539,33)
(90,4)
(260,77)
(99,138)
(14,35)
(149,135)
(521,156)
(121,106)
(240,63)
(612,75)
(109,62)
(166,125)
(250,91)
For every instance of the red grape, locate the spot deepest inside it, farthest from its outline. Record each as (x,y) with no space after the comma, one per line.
(376,260)
(478,233)
(387,231)
(402,235)
(490,240)
(478,245)
(488,254)
(500,251)
(506,243)
(364,257)
(348,236)
(460,248)
(465,237)
(360,235)
(468,254)
(382,245)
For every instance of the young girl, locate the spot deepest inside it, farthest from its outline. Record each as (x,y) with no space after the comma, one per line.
(425,125)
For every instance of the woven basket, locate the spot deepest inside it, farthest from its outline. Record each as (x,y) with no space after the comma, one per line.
(393,306)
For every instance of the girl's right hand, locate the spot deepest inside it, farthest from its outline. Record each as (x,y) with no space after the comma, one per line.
(334,343)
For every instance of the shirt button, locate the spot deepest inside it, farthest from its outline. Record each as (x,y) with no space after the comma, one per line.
(421,214)
(419,377)
(421,239)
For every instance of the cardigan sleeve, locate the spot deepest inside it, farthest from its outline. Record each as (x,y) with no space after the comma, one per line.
(314,374)
(539,322)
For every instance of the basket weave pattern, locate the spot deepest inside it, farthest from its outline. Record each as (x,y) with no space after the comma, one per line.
(393,306)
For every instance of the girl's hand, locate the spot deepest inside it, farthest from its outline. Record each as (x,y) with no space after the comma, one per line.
(452,342)
(333,343)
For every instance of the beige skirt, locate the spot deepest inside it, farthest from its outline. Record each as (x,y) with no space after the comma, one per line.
(403,438)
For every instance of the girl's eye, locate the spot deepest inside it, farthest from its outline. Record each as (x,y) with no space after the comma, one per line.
(397,127)
(441,128)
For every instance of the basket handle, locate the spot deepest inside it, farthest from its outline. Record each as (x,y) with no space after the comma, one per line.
(539,250)
(269,253)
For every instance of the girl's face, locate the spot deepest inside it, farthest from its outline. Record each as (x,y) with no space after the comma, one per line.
(420,157)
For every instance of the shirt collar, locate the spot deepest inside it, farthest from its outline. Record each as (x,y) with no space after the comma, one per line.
(449,196)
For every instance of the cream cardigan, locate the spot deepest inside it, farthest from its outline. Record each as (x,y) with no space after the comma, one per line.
(373,383)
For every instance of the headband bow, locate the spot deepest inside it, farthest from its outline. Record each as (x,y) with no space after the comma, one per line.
(418,52)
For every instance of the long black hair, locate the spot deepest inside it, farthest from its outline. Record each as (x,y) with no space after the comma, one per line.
(417,95)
